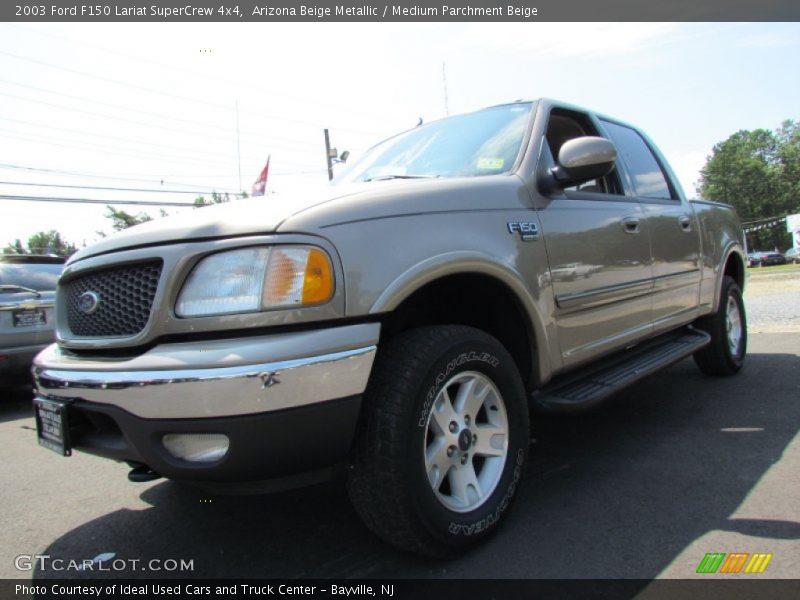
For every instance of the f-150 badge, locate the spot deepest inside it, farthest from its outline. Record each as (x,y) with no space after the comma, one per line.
(527,231)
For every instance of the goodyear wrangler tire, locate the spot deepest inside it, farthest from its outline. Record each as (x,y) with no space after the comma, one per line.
(728,330)
(442,440)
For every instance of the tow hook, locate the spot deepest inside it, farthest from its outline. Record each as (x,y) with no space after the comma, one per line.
(142,474)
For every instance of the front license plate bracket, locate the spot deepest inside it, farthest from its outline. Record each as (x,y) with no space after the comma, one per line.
(52,425)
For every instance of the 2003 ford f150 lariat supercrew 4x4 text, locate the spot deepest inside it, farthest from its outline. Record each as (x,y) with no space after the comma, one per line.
(396,326)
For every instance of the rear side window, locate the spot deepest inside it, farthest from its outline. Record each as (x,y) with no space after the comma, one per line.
(41,277)
(648,178)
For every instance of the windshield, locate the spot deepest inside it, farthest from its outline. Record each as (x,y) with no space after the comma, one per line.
(486,142)
(41,277)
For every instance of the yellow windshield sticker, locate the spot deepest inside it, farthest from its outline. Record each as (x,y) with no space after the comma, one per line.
(490,163)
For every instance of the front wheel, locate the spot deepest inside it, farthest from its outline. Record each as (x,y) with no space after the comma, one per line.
(728,330)
(442,440)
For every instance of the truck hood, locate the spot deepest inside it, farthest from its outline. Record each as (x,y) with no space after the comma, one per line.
(252,216)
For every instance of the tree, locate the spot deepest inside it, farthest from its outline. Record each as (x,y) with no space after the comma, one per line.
(758,172)
(15,248)
(216,198)
(43,242)
(122,220)
(788,157)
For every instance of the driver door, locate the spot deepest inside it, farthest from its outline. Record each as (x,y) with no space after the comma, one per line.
(599,252)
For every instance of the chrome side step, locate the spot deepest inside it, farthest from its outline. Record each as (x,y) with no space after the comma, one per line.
(586,390)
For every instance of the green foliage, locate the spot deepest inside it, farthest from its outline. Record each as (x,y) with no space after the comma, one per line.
(43,242)
(122,220)
(758,172)
(15,248)
(216,198)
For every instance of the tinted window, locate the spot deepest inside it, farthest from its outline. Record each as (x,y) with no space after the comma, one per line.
(648,178)
(37,276)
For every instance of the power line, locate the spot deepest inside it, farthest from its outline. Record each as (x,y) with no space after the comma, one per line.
(116,189)
(101,149)
(128,109)
(106,149)
(90,200)
(113,137)
(205,77)
(151,90)
(110,104)
(154,179)
(114,81)
(108,177)
(142,123)
(124,140)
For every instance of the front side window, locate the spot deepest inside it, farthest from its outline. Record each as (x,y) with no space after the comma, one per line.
(565,125)
(648,178)
(486,142)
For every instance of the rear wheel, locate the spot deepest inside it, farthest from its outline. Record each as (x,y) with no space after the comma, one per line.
(442,441)
(728,330)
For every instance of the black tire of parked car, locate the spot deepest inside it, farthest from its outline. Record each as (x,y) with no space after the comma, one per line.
(388,480)
(717,358)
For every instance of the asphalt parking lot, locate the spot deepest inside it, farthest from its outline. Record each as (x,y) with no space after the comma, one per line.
(676,467)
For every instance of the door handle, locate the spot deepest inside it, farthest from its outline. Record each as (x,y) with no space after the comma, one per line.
(630,224)
(685,222)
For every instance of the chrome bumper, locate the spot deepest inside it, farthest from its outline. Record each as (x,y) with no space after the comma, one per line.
(218,378)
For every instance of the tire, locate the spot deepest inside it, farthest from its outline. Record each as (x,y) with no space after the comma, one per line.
(728,330)
(401,449)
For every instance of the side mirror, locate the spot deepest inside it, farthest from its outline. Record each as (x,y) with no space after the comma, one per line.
(583,159)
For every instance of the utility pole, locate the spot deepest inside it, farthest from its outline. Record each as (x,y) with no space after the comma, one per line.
(328,156)
(238,147)
(444,84)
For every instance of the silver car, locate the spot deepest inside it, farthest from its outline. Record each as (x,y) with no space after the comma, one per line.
(27,324)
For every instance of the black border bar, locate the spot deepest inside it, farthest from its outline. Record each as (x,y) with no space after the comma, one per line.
(708,587)
(266,11)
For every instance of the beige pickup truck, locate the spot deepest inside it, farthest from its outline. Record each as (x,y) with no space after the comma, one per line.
(394,327)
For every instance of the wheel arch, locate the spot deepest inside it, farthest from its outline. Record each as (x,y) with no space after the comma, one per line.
(733,266)
(419,297)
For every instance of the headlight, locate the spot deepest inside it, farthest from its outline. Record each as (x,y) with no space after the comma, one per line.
(253,279)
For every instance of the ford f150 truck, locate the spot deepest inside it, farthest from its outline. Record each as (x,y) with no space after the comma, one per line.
(395,326)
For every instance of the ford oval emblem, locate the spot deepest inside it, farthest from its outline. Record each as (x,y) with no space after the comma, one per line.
(88,302)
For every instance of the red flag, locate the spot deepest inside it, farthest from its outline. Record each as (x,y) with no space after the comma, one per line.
(260,186)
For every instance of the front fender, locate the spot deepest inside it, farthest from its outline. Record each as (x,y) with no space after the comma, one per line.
(475,263)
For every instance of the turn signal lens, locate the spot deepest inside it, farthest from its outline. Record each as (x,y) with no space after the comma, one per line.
(318,283)
(297,275)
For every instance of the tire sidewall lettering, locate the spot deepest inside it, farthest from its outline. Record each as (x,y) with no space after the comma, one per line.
(441,377)
(486,522)
(442,521)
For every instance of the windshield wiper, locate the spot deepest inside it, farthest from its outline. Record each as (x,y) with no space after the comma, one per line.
(388,177)
(18,288)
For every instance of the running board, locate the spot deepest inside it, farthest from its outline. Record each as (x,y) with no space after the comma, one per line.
(619,371)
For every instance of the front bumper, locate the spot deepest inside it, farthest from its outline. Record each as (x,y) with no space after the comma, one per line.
(288,402)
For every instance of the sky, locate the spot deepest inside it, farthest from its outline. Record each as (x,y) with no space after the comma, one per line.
(180,109)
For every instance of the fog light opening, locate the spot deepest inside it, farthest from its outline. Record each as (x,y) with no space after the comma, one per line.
(197,447)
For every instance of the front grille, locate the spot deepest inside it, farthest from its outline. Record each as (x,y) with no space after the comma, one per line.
(125,300)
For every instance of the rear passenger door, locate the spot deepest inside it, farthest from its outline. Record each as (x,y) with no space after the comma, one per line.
(671,224)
